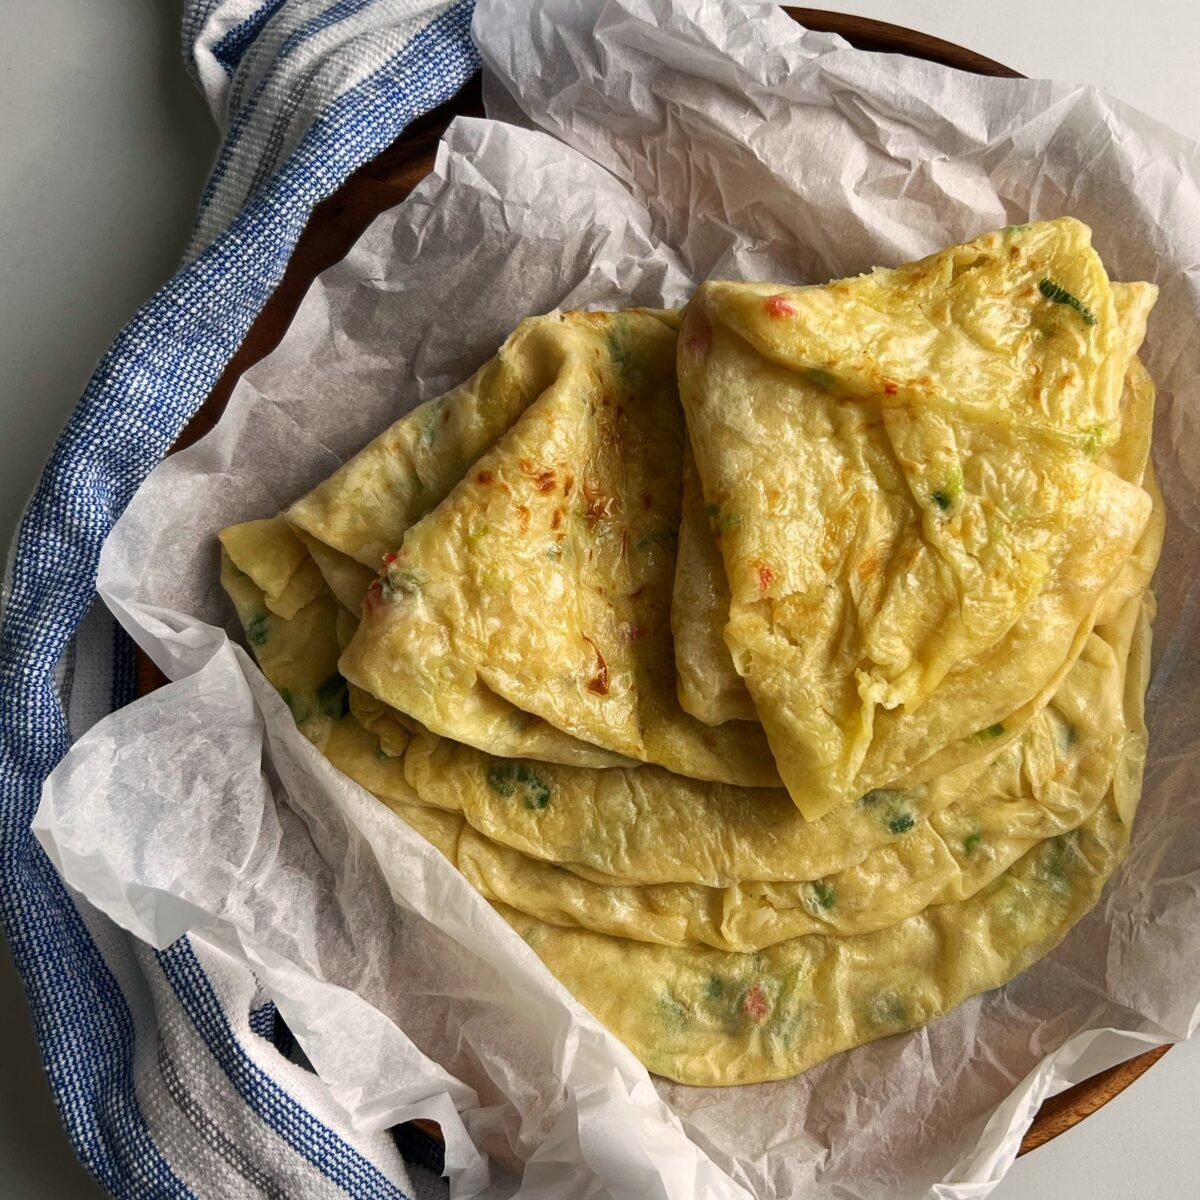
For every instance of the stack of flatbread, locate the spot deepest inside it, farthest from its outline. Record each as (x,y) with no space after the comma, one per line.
(775,668)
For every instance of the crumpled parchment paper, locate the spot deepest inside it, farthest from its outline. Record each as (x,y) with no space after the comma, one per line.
(643,146)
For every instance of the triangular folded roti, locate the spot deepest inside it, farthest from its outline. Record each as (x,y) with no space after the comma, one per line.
(902,472)
(363,511)
(540,587)
(708,683)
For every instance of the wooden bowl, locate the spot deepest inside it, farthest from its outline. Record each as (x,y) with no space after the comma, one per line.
(336,225)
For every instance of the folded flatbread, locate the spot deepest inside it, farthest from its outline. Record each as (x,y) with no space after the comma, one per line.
(538,591)
(904,474)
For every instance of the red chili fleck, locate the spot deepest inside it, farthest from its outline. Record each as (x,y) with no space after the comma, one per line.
(556,519)
(889,387)
(765,575)
(779,306)
(598,682)
(485,477)
(632,632)
(390,557)
(374,597)
(754,1003)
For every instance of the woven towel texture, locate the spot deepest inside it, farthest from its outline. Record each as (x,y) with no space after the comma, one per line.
(169,1069)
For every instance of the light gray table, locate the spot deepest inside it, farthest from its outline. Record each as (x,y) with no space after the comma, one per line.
(105,148)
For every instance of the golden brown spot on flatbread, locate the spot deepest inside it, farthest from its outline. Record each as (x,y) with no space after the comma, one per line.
(871,563)
(598,684)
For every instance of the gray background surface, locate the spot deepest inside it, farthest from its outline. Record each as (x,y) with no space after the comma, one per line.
(105,147)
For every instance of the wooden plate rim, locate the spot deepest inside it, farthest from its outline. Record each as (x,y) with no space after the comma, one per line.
(385,181)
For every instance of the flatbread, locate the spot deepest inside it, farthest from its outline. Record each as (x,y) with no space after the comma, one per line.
(902,471)
(363,511)
(298,654)
(277,563)
(710,1018)
(709,686)
(346,578)
(645,825)
(540,586)
(1047,784)
(717,930)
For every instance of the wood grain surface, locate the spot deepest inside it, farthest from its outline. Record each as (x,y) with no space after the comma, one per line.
(385,181)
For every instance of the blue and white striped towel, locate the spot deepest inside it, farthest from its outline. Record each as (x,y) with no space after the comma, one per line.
(167,1067)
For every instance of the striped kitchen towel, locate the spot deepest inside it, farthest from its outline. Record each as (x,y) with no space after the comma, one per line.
(172,1073)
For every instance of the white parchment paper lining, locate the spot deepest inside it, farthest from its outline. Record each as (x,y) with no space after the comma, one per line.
(644,146)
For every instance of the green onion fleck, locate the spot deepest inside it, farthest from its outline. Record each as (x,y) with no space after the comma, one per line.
(673,1012)
(823,894)
(901,823)
(888,1009)
(971,842)
(333,698)
(1058,856)
(256,630)
(299,709)
(950,492)
(402,582)
(986,735)
(1059,295)
(825,380)
(511,779)
(1095,439)
(723,522)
